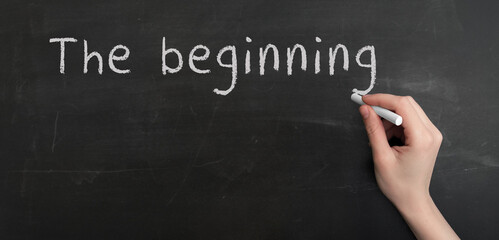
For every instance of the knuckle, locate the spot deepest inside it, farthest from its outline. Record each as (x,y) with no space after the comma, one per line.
(429,139)
(424,140)
(371,130)
(438,136)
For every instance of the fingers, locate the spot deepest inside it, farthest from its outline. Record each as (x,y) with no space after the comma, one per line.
(375,132)
(436,135)
(401,105)
(418,130)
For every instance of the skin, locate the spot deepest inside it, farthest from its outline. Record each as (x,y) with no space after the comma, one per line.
(403,173)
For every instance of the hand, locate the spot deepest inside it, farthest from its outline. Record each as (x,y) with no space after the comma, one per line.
(404,172)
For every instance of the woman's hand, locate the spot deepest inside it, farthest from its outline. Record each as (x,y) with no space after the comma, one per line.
(404,172)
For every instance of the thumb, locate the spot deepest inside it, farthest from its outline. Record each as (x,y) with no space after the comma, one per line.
(375,131)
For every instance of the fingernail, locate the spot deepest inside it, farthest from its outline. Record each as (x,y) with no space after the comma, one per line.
(364,112)
(366,96)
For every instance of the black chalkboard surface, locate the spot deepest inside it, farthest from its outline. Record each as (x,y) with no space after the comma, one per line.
(147,155)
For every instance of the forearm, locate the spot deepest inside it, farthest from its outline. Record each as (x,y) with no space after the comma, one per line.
(425,220)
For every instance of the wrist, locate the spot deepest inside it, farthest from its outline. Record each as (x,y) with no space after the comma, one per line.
(424,218)
(415,204)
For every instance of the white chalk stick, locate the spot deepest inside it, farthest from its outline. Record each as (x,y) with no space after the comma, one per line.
(382,112)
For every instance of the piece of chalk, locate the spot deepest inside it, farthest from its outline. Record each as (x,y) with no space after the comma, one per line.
(382,112)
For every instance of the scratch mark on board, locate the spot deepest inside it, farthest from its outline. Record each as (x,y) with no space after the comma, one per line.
(192,162)
(55,130)
(177,121)
(209,163)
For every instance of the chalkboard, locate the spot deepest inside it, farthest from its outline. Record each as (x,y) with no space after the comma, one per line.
(157,153)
